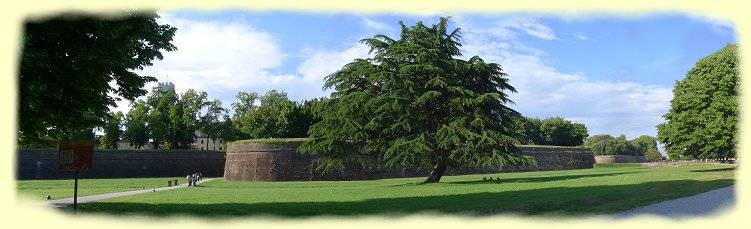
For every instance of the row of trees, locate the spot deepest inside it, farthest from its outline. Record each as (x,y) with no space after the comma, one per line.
(605,144)
(168,120)
(550,131)
(273,115)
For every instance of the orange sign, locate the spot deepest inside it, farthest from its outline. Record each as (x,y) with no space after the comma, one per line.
(75,155)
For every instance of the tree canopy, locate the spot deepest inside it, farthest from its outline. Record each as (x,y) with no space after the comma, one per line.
(69,61)
(604,144)
(703,116)
(416,103)
(113,130)
(273,115)
(653,155)
(549,131)
(170,120)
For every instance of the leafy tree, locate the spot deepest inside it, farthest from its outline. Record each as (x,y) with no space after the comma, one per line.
(619,146)
(192,103)
(653,155)
(162,116)
(416,103)
(549,131)
(561,132)
(598,142)
(642,144)
(703,116)
(112,130)
(226,130)
(136,129)
(272,118)
(68,63)
(522,129)
(308,113)
(534,132)
(242,109)
(213,122)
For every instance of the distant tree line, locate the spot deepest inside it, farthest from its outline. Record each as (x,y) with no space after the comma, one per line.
(549,131)
(605,144)
(168,120)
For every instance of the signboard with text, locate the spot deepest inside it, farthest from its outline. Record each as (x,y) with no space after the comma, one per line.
(75,155)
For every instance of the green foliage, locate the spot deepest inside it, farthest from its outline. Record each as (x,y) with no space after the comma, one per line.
(171,121)
(604,144)
(550,131)
(560,132)
(135,124)
(215,123)
(416,104)
(653,155)
(68,62)
(642,145)
(703,116)
(598,142)
(112,130)
(619,146)
(162,117)
(273,115)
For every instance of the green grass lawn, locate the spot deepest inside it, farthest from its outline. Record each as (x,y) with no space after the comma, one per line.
(600,190)
(61,189)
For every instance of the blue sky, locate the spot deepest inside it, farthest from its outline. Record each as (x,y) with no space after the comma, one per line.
(615,74)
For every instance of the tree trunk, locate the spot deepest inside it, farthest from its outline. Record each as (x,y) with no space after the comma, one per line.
(437,173)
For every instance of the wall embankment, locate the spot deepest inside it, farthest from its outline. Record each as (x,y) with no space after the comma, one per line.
(42,164)
(282,162)
(619,159)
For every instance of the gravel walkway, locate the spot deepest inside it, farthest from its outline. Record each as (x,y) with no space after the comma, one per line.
(701,205)
(84,199)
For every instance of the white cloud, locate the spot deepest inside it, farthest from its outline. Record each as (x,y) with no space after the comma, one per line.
(214,54)
(323,62)
(375,25)
(509,29)
(604,107)
(720,25)
(225,58)
(580,36)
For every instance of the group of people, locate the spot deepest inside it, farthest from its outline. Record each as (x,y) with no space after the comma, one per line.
(193,178)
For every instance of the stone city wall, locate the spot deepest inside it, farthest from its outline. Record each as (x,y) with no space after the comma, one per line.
(619,159)
(42,164)
(281,162)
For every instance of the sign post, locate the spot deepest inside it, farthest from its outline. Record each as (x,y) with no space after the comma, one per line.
(75,156)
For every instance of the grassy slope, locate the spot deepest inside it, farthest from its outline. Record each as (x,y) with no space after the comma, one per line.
(572,192)
(61,189)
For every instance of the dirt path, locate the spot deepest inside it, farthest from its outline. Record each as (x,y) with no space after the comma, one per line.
(84,199)
(700,205)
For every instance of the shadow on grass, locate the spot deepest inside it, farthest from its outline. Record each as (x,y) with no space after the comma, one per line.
(714,170)
(538,179)
(556,201)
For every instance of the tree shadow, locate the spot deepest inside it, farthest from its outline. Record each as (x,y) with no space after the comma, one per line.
(714,170)
(548,202)
(538,179)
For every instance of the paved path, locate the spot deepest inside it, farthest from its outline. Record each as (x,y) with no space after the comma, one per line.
(704,204)
(84,199)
